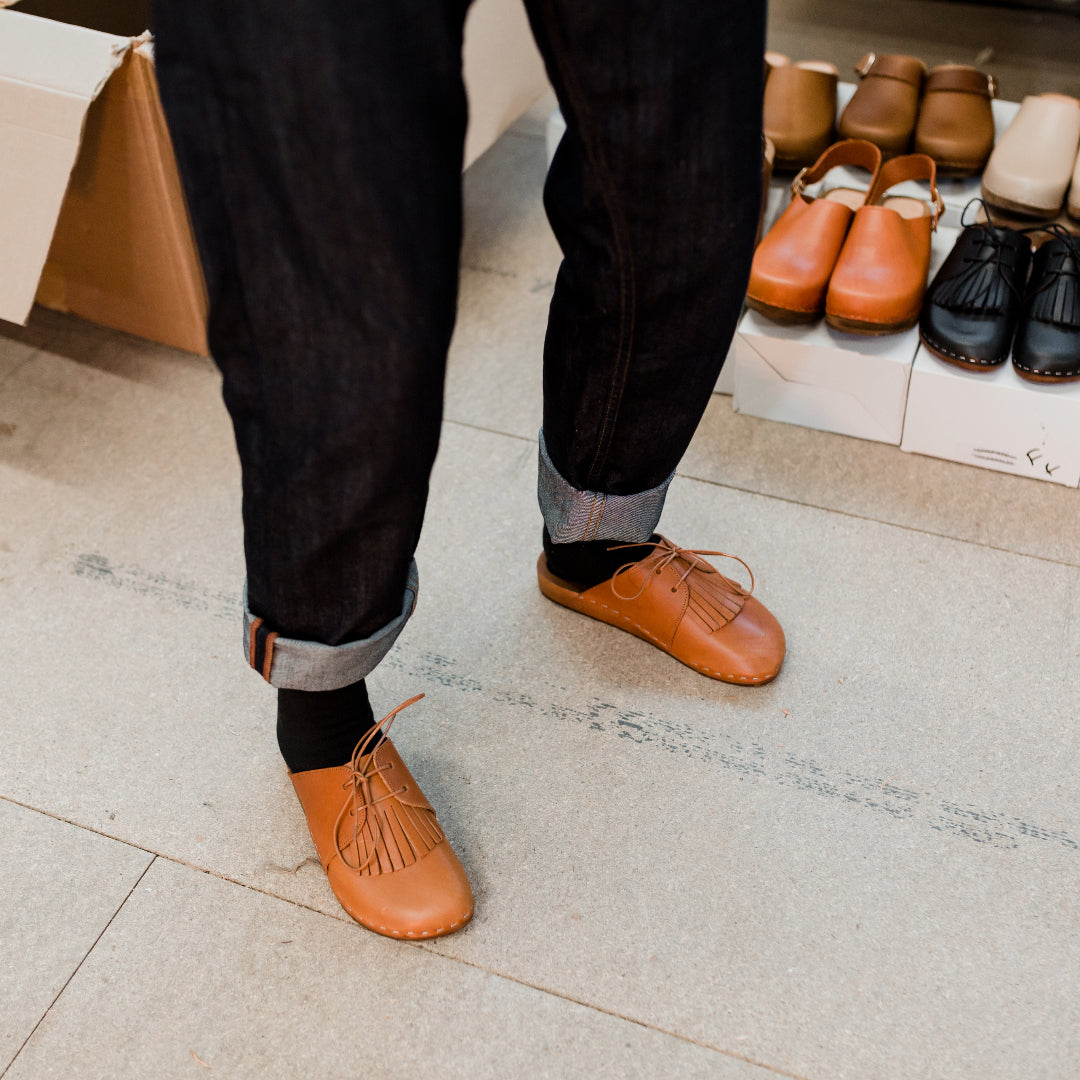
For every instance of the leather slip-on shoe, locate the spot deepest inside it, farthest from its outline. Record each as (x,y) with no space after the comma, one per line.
(799,111)
(681,604)
(1030,168)
(971,307)
(879,281)
(884,108)
(1047,343)
(386,857)
(956,121)
(792,265)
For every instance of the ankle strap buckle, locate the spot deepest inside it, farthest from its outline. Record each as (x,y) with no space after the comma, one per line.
(799,183)
(862,68)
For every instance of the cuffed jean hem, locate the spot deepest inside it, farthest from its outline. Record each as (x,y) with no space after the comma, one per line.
(295,664)
(571,515)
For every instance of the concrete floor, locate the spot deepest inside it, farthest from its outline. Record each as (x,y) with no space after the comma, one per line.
(867,869)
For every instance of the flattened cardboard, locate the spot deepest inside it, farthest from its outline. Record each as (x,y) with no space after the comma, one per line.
(994,419)
(123,254)
(49,75)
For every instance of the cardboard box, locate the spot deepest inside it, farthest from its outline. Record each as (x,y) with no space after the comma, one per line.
(994,419)
(92,214)
(818,377)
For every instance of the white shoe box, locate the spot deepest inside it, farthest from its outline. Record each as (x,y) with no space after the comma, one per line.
(818,377)
(994,419)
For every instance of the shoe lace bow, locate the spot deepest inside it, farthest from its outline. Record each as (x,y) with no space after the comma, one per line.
(362,796)
(1056,299)
(663,555)
(973,289)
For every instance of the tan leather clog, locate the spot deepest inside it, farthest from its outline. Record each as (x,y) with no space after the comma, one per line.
(792,265)
(884,108)
(683,605)
(879,281)
(799,113)
(956,122)
(385,856)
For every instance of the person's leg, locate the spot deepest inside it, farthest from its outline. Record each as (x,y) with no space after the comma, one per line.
(653,195)
(320,146)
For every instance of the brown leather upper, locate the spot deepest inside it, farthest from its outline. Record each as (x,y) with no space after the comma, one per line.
(880,278)
(963,78)
(799,113)
(386,857)
(885,104)
(956,122)
(685,606)
(793,263)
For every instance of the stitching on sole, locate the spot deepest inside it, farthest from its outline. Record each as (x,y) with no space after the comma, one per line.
(933,346)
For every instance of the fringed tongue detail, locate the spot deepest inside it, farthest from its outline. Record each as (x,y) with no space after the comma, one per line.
(984,285)
(715,599)
(376,831)
(1057,297)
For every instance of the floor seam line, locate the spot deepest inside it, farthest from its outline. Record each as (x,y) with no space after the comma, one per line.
(810,505)
(78,968)
(879,521)
(426,947)
(84,828)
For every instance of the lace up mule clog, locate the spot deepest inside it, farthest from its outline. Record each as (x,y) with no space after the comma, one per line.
(386,857)
(683,605)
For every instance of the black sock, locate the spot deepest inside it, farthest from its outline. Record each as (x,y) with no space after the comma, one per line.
(585,563)
(317,729)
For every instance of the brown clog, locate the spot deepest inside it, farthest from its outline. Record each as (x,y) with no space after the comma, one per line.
(884,108)
(388,861)
(956,122)
(681,604)
(793,263)
(879,281)
(774,60)
(799,113)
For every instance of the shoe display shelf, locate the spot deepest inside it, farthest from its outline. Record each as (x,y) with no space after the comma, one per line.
(955,194)
(890,388)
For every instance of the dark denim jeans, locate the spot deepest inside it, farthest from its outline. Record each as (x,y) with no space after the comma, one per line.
(320,144)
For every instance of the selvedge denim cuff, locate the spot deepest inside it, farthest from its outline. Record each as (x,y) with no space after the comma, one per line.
(572,515)
(295,664)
